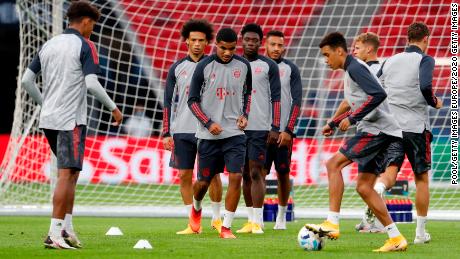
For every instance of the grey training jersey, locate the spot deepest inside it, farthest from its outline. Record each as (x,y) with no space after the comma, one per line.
(220,92)
(407,78)
(374,66)
(177,85)
(291,94)
(368,100)
(65,60)
(265,96)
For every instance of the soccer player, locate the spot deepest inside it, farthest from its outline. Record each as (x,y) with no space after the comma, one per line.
(197,34)
(365,48)
(407,78)
(376,130)
(220,99)
(265,100)
(291,101)
(69,64)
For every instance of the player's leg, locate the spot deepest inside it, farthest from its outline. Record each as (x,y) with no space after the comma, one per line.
(75,141)
(282,166)
(183,159)
(209,156)
(257,152)
(418,150)
(393,160)
(330,227)
(215,193)
(364,187)
(247,183)
(68,232)
(234,151)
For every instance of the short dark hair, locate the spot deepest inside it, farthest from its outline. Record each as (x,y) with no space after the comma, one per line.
(369,38)
(253,27)
(417,31)
(334,40)
(227,35)
(275,33)
(80,9)
(199,25)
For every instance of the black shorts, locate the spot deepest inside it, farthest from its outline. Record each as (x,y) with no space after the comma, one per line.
(214,155)
(369,151)
(417,147)
(68,146)
(184,151)
(256,145)
(280,156)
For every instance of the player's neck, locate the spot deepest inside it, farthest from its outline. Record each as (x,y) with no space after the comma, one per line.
(250,57)
(196,57)
(77,28)
(372,58)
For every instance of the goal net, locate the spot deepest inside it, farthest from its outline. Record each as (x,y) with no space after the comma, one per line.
(128,173)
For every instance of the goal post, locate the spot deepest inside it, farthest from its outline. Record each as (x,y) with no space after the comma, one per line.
(139,40)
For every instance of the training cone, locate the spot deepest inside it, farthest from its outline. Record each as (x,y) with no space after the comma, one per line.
(143,244)
(114,231)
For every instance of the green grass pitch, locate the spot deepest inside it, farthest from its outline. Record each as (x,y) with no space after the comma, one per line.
(21,237)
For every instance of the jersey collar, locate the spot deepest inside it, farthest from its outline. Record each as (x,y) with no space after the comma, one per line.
(413,48)
(191,60)
(72,31)
(370,63)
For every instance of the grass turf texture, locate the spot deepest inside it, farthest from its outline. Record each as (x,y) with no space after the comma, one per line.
(22,237)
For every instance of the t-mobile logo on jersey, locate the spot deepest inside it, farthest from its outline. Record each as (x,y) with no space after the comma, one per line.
(222,92)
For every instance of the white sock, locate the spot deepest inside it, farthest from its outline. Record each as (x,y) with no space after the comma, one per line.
(68,225)
(392,230)
(420,230)
(56,227)
(281,213)
(196,204)
(228,218)
(258,216)
(380,187)
(333,217)
(215,210)
(188,209)
(250,214)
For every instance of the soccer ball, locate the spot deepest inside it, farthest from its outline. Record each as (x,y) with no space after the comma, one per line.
(310,241)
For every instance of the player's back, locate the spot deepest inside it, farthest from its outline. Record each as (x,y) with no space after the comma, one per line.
(64,89)
(400,77)
(378,120)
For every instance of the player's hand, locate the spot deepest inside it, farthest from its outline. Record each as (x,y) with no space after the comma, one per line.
(117,116)
(344,124)
(215,129)
(168,143)
(284,139)
(327,130)
(242,122)
(439,103)
(272,137)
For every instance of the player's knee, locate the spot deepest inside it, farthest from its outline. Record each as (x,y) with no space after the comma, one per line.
(246,177)
(185,176)
(234,179)
(363,190)
(332,165)
(256,174)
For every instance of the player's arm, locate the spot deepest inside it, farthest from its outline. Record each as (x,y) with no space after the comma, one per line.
(167,104)
(426,78)
(247,90)
(342,112)
(296,95)
(275,97)
(370,85)
(90,67)
(28,80)
(194,100)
